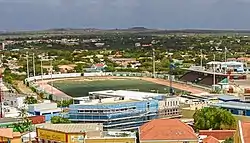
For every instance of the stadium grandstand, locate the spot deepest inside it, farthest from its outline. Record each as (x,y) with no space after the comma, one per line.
(214,73)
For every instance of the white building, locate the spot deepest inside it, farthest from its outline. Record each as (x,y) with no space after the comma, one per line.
(14,100)
(226,66)
(47,109)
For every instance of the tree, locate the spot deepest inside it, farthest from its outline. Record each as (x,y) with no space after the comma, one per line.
(229,140)
(213,118)
(79,68)
(30,100)
(64,103)
(59,120)
(25,124)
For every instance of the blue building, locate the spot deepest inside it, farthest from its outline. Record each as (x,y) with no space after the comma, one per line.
(227,98)
(47,109)
(119,116)
(237,108)
(118,111)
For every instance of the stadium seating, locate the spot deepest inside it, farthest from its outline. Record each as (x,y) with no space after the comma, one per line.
(191,77)
(208,80)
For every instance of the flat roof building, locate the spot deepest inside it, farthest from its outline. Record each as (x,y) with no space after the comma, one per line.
(47,109)
(125,110)
(237,108)
(68,132)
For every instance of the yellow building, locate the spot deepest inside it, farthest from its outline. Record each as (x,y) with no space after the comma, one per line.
(68,133)
(111,140)
(7,135)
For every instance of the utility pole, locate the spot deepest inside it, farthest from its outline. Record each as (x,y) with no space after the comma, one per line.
(1,96)
(153,62)
(225,54)
(51,70)
(201,58)
(214,74)
(34,66)
(170,77)
(42,71)
(28,73)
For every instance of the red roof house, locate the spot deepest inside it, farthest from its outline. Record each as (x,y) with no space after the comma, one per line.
(164,130)
(211,139)
(218,134)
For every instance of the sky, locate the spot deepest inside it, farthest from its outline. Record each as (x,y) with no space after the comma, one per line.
(109,14)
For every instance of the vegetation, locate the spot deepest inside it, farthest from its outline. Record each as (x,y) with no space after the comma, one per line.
(30,100)
(25,124)
(59,120)
(64,103)
(229,140)
(213,118)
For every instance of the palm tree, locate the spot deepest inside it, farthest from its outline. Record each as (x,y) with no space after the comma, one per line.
(23,113)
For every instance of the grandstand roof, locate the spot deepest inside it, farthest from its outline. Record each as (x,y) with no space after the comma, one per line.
(213,63)
(224,63)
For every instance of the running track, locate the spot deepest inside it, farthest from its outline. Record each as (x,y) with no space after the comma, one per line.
(194,90)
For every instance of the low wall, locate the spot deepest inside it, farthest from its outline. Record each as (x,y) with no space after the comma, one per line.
(119,74)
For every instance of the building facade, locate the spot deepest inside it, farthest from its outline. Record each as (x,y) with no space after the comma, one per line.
(67,133)
(237,108)
(125,110)
(46,109)
(119,116)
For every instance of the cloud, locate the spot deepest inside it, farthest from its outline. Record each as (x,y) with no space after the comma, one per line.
(168,14)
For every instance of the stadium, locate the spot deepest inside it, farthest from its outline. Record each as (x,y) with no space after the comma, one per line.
(141,98)
(54,85)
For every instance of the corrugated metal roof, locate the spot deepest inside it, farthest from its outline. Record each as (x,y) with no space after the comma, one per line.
(232,104)
(72,128)
(228,97)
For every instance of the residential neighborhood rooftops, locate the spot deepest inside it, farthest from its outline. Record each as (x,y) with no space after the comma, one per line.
(167,129)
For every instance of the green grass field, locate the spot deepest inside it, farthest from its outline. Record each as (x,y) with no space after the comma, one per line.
(81,88)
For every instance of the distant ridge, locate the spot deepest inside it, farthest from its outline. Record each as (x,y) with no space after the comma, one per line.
(138,30)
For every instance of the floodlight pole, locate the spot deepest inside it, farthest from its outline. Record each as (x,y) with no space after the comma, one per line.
(51,74)
(34,67)
(153,62)
(27,56)
(201,58)
(214,72)
(170,76)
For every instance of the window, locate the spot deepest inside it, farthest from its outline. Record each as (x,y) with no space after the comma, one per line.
(241,112)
